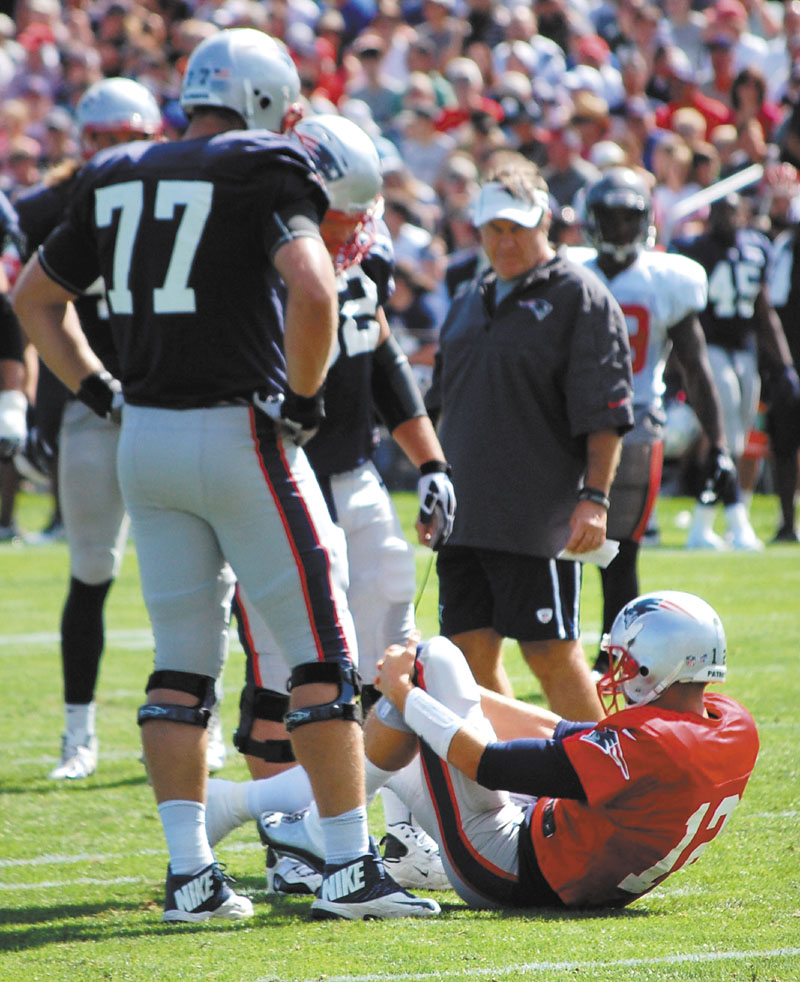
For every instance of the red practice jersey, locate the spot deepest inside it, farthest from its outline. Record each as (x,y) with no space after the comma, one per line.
(660,785)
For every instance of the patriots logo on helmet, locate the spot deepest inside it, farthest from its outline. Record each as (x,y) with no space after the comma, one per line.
(326,162)
(645,605)
(608,742)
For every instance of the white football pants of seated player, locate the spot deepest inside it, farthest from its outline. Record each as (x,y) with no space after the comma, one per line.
(476,829)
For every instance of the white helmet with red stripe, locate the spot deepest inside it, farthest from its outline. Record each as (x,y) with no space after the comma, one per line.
(117,105)
(246,71)
(347,160)
(659,639)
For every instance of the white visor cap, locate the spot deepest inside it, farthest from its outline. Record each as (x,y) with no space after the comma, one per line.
(496,201)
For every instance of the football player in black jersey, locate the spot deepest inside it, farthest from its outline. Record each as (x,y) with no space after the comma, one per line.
(369,373)
(223,310)
(13,375)
(112,111)
(13,404)
(739,323)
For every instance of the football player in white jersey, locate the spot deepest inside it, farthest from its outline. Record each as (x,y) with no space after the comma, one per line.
(661,295)
(369,373)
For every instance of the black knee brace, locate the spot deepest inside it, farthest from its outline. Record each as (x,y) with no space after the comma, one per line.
(343,707)
(256,703)
(369,696)
(199,686)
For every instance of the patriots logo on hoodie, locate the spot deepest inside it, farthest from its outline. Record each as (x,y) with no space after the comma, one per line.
(538,307)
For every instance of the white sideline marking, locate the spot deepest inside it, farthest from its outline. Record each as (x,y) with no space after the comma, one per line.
(571,966)
(84,881)
(133,638)
(85,857)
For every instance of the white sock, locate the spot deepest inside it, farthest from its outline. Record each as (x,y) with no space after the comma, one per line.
(375,778)
(184,824)
(736,517)
(288,792)
(346,836)
(394,811)
(80,721)
(703,517)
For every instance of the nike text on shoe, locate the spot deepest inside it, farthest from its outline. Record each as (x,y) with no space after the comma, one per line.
(287,876)
(412,859)
(363,890)
(203,896)
(287,835)
(77,760)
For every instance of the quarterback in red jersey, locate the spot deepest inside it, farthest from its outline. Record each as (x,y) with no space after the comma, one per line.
(616,806)
(531,810)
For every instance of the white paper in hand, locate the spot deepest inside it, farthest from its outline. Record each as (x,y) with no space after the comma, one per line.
(600,557)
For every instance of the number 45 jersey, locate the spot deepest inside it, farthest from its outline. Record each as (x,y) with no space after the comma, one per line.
(659,784)
(736,275)
(657,291)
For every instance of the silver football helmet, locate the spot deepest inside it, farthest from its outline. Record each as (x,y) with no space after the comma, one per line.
(618,217)
(117,105)
(246,71)
(348,162)
(658,639)
(346,158)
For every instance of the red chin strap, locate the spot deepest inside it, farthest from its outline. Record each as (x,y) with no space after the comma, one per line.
(357,246)
(292,117)
(623,669)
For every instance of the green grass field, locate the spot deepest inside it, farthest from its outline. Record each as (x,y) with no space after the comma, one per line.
(82,865)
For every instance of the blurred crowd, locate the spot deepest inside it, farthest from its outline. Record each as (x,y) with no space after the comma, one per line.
(684,91)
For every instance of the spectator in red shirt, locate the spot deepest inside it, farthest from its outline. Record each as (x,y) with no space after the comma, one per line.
(467,81)
(684,91)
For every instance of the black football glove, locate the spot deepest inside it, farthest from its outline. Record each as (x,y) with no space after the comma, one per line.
(299,416)
(102,393)
(437,501)
(720,477)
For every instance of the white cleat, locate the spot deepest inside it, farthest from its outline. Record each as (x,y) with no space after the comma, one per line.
(288,834)
(287,876)
(702,539)
(77,760)
(746,540)
(412,859)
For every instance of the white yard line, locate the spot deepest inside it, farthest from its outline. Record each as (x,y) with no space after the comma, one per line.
(555,966)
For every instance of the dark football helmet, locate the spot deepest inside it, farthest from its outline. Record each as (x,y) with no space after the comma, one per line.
(619,215)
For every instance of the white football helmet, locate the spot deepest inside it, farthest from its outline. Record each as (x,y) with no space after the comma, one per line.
(117,105)
(658,639)
(246,71)
(348,162)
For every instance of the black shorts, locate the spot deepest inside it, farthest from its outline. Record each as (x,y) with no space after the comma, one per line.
(526,598)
